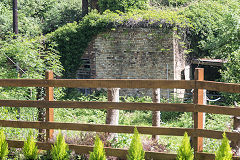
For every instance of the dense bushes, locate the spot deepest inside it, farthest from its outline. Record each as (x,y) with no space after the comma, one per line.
(231,74)
(37,17)
(63,12)
(122,5)
(216,27)
(33,57)
(216,34)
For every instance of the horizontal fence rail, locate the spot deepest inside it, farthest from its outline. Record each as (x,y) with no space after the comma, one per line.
(123,83)
(197,108)
(99,83)
(174,107)
(218,86)
(100,105)
(119,129)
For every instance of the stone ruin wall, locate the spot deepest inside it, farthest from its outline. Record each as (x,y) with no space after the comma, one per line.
(136,53)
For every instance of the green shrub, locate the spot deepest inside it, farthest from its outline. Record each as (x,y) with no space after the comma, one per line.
(179,2)
(30,149)
(3,146)
(230,74)
(136,151)
(224,152)
(60,149)
(122,5)
(98,150)
(216,27)
(185,152)
(62,12)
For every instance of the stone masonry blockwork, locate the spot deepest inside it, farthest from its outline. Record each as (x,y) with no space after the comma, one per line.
(136,53)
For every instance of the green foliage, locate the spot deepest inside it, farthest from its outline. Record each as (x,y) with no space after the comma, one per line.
(216,27)
(60,149)
(30,149)
(3,146)
(98,150)
(185,152)
(37,16)
(224,152)
(136,151)
(230,74)
(61,13)
(122,5)
(27,25)
(179,2)
(5,19)
(170,3)
(216,34)
(33,56)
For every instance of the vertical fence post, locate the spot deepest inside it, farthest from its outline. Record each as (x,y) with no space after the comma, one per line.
(156,114)
(49,111)
(235,144)
(198,116)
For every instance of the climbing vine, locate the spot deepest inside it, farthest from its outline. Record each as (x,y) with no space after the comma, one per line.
(73,38)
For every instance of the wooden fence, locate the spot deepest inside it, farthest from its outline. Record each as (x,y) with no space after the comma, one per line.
(197,132)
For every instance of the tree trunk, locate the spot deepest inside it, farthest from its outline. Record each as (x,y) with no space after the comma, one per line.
(84,7)
(41,115)
(113,114)
(156,114)
(94,4)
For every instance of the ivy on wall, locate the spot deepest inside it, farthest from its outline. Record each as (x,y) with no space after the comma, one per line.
(73,38)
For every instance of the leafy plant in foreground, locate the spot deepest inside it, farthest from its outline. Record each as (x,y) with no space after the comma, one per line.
(185,151)
(136,151)
(98,150)
(30,149)
(3,146)
(60,149)
(224,152)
